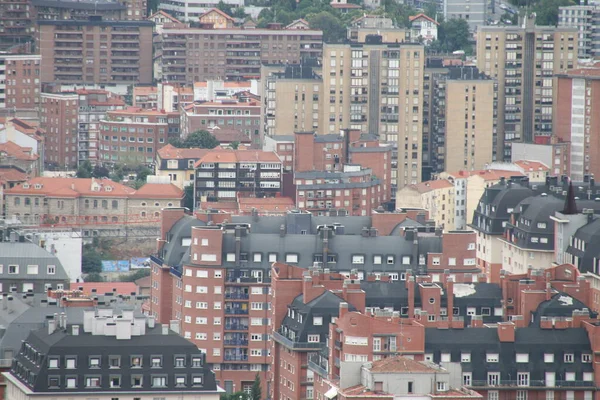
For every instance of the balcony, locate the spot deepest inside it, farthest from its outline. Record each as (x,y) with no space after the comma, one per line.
(236,311)
(237,296)
(236,327)
(290,344)
(228,357)
(235,342)
(156,260)
(510,384)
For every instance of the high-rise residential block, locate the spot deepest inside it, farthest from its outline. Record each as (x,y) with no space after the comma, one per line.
(17,22)
(292,99)
(577,119)
(20,82)
(190,55)
(584,18)
(377,87)
(95,51)
(475,12)
(58,117)
(463,122)
(523,59)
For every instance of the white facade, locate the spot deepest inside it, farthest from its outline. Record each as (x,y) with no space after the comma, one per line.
(219,90)
(516,260)
(66,245)
(186,11)
(577,129)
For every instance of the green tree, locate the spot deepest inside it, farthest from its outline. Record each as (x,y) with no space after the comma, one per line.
(85,170)
(226,8)
(188,197)
(94,277)
(201,139)
(236,396)
(256,391)
(453,35)
(142,173)
(118,173)
(134,276)
(334,30)
(431,10)
(546,11)
(91,260)
(100,172)
(235,145)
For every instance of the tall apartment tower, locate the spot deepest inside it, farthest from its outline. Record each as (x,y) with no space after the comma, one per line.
(377,88)
(299,89)
(58,117)
(584,19)
(475,12)
(523,59)
(464,123)
(577,120)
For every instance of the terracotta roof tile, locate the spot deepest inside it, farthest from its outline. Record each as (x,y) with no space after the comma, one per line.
(403,364)
(125,288)
(72,187)
(170,152)
(12,174)
(223,14)
(415,17)
(166,15)
(428,186)
(20,153)
(363,391)
(268,204)
(158,191)
(527,165)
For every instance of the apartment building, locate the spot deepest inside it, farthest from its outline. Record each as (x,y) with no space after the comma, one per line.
(238,114)
(583,18)
(463,134)
(95,51)
(191,55)
(186,11)
(93,106)
(437,197)
(476,13)
(20,83)
(178,164)
(18,23)
(229,296)
(228,174)
(59,119)
(367,92)
(133,135)
(523,60)
(368,24)
(137,355)
(218,89)
(298,86)
(110,10)
(76,202)
(578,91)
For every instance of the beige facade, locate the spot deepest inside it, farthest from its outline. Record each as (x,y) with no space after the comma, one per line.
(377,88)
(470,124)
(293,96)
(524,60)
(437,197)
(516,260)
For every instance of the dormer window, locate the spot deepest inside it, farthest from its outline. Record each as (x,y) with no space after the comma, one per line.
(108,188)
(37,186)
(26,186)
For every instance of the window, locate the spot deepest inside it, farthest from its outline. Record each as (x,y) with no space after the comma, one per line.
(196,380)
(71,383)
(376,344)
(467,378)
(317,320)
(51,269)
(493,378)
(92,382)
(523,379)
(521,395)
(313,338)
(257,257)
(32,270)
(569,357)
(445,357)
(358,259)
(196,362)
(390,259)
(492,357)
(291,258)
(71,363)
(586,358)
(94,362)
(180,381)
(376,259)
(272,257)
(114,361)
(13,269)
(569,376)
(180,362)
(522,357)
(441,386)
(493,395)
(548,358)
(53,363)
(115,381)
(465,357)
(136,361)
(159,381)
(156,362)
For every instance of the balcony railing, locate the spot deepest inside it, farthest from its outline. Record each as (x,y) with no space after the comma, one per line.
(236,311)
(156,260)
(236,327)
(228,357)
(235,342)
(237,296)
(290,344)
(317,368)
(531,383)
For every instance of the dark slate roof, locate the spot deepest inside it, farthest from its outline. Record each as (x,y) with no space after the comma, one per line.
(327,305)
(174,251)
(388,294)
(590,235)
(560,305)
(63,344)
(531,340)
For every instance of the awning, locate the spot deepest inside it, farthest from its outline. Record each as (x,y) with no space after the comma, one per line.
(331,393)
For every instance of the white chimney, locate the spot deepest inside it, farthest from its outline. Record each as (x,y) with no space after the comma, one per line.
(63,321)
(51,326)
(165,329)
(151,322)
(75,330)
(127,314)
(88,320)
(123,329)
(98,327)
(174,325)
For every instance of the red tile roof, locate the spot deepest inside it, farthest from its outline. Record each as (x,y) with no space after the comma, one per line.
(125,288)
(415,17)
(12,149)
(404,365)
(268,204)
(71,187)
(166,15)
(170,152)
(223,14)
(528,166)
(12,174)
(158,191)
(363,391)
(235,156)
(428,186)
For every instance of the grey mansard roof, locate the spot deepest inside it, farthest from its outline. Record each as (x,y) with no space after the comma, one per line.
(27,253)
